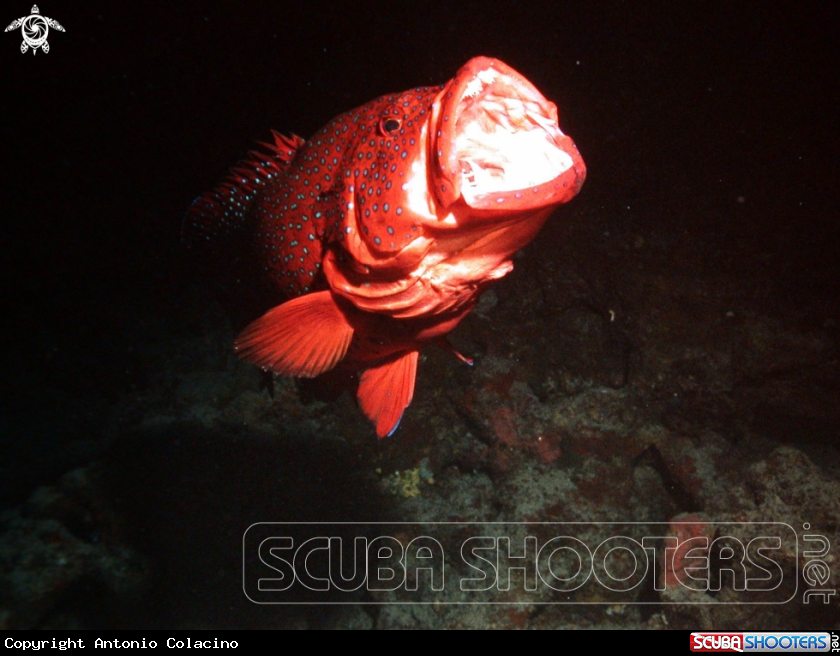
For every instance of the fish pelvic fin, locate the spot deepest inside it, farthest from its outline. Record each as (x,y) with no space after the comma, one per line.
(303,337)
(386,390)
(217,215)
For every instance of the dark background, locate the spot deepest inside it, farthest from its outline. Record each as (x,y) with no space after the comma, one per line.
(709,130)
(681,109)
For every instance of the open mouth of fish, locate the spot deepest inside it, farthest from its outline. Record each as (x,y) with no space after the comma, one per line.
(505,140)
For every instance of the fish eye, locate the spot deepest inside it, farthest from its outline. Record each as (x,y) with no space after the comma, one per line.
(389,126)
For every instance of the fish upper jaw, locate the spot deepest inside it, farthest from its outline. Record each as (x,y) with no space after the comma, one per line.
(496,143)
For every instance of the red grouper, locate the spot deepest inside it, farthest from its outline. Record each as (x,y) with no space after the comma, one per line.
(387,225)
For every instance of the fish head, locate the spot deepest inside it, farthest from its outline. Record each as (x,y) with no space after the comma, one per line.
(466,173)
(487,144)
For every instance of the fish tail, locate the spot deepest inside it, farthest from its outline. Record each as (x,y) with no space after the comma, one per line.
(219,215)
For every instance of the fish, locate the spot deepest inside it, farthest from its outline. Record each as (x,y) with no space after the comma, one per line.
(379,234)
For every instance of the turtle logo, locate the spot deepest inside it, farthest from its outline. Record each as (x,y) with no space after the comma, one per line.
(35,29)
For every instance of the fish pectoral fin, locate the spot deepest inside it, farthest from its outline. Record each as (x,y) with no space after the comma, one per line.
(385,391)
(303,337)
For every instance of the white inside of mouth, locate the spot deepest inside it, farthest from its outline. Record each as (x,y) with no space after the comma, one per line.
(505,139)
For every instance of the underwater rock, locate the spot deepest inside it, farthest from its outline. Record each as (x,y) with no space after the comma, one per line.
(63,541)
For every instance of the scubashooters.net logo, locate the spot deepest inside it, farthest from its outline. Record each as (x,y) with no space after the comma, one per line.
(791,641)
(34,29)
(685,562)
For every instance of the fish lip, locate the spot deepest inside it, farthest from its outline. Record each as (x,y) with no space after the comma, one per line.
(470,81)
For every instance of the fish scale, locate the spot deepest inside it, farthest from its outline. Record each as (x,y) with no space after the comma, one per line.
(385,227)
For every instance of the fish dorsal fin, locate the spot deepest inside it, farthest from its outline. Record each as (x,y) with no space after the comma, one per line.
(385,391)
(223,211)
(303,337)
